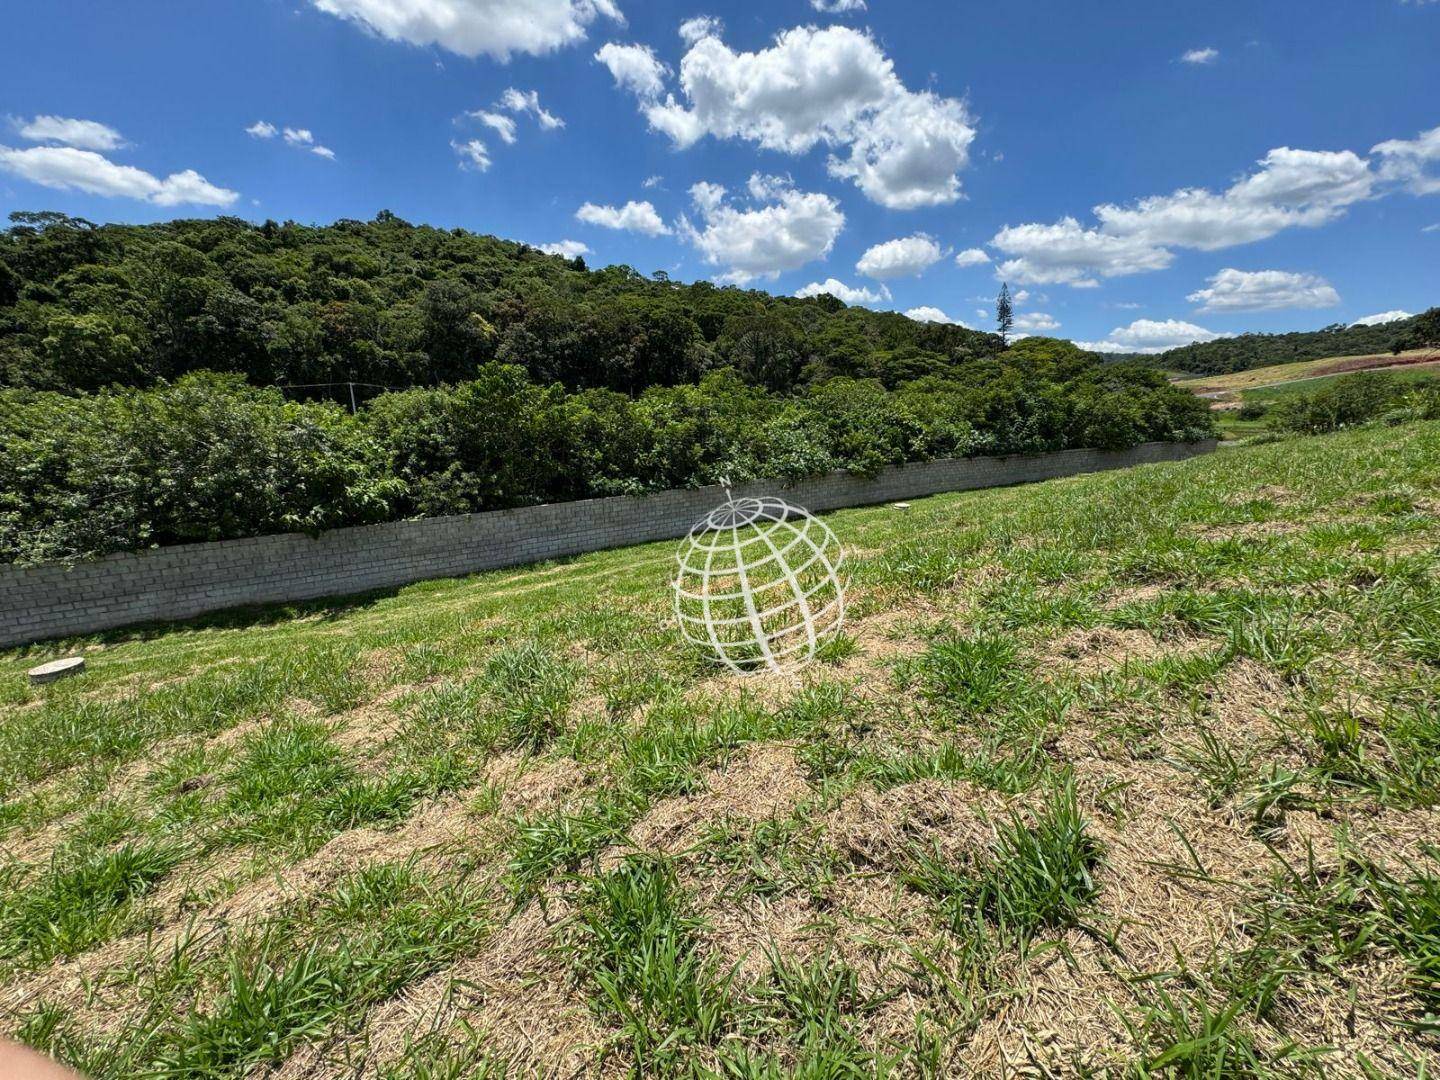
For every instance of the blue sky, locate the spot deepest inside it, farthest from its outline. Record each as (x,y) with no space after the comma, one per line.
(1257,166)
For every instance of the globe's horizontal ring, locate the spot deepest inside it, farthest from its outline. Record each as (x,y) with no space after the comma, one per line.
(764,560)
(748,620)
(712,597)
(753,649)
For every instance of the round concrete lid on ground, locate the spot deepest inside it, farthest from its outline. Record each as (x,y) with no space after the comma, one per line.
(56,669)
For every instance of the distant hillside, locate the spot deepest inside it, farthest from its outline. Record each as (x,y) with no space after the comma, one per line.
(1262,350)
(398,305)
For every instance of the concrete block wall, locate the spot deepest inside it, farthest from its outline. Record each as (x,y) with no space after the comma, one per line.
(56,600)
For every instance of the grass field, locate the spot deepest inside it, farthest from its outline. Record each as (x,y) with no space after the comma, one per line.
(1129,774)
(1303,369)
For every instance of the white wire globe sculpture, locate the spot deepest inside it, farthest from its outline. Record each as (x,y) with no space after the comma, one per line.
(759,585)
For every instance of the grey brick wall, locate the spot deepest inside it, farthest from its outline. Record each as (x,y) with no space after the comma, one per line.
(54,600)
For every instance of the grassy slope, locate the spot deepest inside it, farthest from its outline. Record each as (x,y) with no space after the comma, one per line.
(1134,770)
(1301,369)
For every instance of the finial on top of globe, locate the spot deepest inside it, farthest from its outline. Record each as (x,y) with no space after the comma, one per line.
(759,585)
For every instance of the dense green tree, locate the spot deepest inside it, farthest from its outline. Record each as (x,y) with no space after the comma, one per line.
(1246,351)
(394,304)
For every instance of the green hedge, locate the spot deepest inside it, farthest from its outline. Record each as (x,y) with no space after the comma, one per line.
(209,457)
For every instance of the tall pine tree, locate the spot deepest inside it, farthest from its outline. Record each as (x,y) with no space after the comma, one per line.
(1004,316)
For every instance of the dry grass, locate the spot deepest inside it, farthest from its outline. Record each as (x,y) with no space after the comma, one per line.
(512,825)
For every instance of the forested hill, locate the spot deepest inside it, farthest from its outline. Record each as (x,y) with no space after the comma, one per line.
(1248,351)
(386,302)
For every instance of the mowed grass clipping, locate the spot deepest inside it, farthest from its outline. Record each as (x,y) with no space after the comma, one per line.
(1133,774)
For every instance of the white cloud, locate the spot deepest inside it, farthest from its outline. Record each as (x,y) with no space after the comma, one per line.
(300,138)
(473,154)
(1289,189)
(1200,56)
(972,257)
(1068,254)
(496,28)
(1264,290)
(652,181)
(692,30)
(1151,336)
(837,7)
(1292,188)
(528,101)
(1036,322)
(1383,317)
(82,134)
(188,187)
(66,168)
(841,291)
(833,87)
(502,125)
(790,229)
(569,248)
(1431,228)
(909,256)
(633,217)
(933,314)
(634,68)
(1406,160)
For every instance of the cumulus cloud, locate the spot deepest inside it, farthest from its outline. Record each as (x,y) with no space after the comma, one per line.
(300,138)
(1067,253)
(528,101)
(1409,161)
(571,249)
(831,87)
(932,314)
(82,134)
(633,217)
(841,291)
(1289,189)
(634,68)
(1383,317)
(67,168)
(692,30)
(972,257)
(782,230)
(1200,56)
(1151,336)
(496,28)
(838,7)
(473,154)
(909,256)
(1264,290)
(502,125)
(1036,322)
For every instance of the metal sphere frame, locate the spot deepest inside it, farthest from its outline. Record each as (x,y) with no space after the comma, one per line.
(776,567)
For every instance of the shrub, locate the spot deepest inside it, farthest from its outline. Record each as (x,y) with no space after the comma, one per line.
(209,457)
(1349,400)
